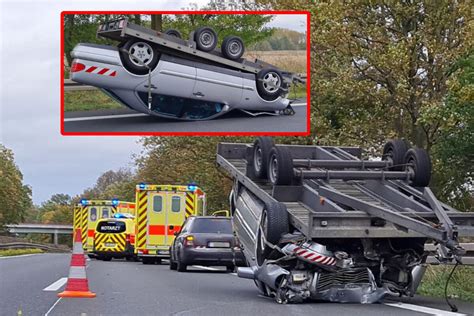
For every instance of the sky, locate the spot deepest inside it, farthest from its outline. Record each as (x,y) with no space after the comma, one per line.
(30,96)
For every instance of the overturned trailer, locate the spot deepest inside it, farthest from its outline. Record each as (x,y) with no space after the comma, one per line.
(319,222)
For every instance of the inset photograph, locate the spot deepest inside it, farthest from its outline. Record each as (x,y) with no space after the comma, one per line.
(192,73)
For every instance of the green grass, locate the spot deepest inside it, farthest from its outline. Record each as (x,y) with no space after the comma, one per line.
(88,100)
(297,92)
(17,252)
(460,287)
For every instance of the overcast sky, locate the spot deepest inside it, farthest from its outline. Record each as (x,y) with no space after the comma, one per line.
(29,96)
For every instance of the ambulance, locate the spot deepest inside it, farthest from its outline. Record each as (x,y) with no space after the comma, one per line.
(115,237)
(87,213)
(161,211)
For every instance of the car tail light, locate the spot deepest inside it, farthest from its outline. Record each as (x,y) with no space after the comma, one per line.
(145,251)
(76,67)
(132,239)
(189,241)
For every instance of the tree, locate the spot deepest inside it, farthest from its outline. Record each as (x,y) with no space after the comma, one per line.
(15,197)
(111,184)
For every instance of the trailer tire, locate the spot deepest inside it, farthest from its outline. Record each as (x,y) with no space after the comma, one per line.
(173,32)
(419,162)
(205,38)
(395,150)
(232,47)
(269,84)
(261,151)
(280,166)
(141,50)
(273,224)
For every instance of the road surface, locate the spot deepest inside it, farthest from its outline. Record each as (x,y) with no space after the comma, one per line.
(125,120)
(131,288)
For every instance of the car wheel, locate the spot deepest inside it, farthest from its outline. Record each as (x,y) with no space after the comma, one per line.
(419,164)
(394,151)
(173,265)
(91,256)
(261,150)
(273,224)
(269,84)
(107,258)
(180,266)
(230,268)
(280,166)
(128,258)
(174,33)
(205,38)
(137,56)
(232,47)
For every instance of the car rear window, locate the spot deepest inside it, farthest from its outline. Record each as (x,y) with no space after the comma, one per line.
(211,225)
(111,227)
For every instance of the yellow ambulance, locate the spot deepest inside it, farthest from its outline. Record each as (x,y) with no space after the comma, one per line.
(161,210)
(115,237)
(88,212)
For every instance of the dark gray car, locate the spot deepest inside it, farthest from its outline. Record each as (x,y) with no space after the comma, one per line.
(206,240)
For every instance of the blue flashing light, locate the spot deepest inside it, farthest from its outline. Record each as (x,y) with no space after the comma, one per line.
(84,202)
(115,202)
(118,215)
(192,187)
(142,186)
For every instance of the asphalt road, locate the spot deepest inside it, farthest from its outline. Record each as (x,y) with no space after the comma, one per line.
(131,288)
(125,120)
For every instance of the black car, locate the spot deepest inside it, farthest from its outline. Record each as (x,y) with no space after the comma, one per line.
(208,241)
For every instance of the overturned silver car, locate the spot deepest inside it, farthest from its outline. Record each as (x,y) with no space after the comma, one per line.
(320,223)
(161,74)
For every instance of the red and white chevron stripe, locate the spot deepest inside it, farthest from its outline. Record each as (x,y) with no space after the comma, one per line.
(309,255)
(101,71)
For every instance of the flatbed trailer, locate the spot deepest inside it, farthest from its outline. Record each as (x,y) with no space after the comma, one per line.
(122,30)
(344,208)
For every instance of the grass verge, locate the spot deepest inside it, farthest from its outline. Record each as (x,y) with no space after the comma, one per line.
(17,252)
(460,287)
(88,100)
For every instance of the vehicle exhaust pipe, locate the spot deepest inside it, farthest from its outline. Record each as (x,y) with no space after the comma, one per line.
(246,273)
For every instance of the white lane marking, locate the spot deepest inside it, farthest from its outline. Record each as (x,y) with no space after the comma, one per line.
(207,268)
(101,117)
(55,303)
(29,255)
(423,309)
(56,285)
(233,273)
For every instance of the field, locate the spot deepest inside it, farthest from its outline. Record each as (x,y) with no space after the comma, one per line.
(294,61)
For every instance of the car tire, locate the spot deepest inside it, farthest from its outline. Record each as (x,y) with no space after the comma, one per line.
(205,38)
(149,56)
(173,32)
(419,163)
(232,47)
(261,150)
(173,265)
(107,258)
(180,266)
(273,224)
(91,256)
(280,166)
(395,151)
(129,258)
(230,268)
(269,84)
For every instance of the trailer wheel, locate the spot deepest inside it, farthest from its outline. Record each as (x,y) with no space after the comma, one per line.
(273,224)
(137,56)
(205,38)
(419,163)
(269,83)
(232,47)
(261,151)
(173,32)
(280,166)
(394,151)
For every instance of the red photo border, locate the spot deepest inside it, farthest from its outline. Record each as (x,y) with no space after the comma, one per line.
(308,77)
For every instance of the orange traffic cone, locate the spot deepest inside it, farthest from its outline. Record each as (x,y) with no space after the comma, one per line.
(77,285)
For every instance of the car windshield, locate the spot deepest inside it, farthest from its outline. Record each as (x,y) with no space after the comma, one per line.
(211,225)
(182,107)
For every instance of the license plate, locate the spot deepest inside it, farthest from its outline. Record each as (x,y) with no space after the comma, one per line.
(219,244)
(109,244)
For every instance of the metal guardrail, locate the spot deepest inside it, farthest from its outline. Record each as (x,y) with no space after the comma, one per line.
(27,245)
